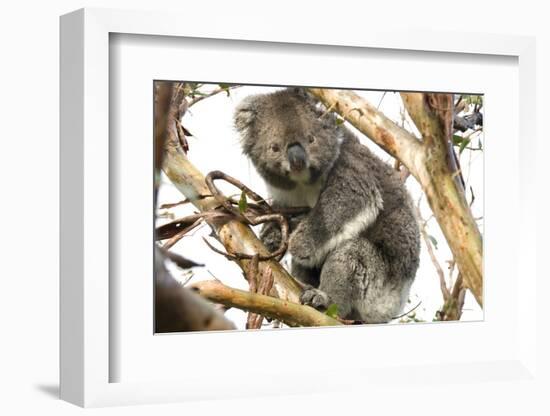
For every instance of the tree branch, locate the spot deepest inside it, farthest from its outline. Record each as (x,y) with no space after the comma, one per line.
(292,314)
(432,114)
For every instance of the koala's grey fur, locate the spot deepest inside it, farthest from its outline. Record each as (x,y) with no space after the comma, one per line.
(359,244)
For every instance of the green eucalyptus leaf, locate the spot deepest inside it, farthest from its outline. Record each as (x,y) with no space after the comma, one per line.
(457,140)
(243,203)
(473,99)
(332,311)
(226,88)
(463,145)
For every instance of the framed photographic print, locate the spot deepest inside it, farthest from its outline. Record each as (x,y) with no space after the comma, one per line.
(275,205)
(357,256)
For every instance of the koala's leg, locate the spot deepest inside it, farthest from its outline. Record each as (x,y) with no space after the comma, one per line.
(355,277)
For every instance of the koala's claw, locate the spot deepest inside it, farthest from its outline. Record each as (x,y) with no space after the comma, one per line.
(316,298)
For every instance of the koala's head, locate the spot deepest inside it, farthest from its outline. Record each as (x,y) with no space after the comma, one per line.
(288,137)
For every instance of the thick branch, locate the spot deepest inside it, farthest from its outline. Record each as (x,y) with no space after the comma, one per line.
(444,196)
(292,314)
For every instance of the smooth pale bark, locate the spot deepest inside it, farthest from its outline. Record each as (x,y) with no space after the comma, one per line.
(292,314)
(427,161)
(447,201)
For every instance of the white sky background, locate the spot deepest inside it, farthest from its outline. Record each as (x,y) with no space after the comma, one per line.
(215,146)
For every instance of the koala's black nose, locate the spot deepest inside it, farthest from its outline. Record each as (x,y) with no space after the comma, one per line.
(296,157)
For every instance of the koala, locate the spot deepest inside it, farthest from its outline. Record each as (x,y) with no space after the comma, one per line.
(359,244)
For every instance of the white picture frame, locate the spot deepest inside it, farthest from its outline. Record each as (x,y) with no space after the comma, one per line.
(85,165)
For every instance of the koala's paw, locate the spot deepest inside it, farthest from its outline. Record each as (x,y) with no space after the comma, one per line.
(316,298)
(271,236)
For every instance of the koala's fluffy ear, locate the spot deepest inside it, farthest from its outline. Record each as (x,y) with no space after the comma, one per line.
(245,114)
(302,94)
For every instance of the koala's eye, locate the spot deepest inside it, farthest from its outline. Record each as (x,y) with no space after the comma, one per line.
(275,148)
(311,138)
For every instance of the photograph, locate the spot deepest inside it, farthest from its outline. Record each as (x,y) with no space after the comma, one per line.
(279,207)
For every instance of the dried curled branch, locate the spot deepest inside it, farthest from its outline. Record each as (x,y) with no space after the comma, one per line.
(255,214)
(247,216)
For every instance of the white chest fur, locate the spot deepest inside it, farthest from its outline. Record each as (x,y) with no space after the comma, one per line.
(303,195)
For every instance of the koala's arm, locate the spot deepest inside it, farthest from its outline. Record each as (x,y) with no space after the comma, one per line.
(349,203)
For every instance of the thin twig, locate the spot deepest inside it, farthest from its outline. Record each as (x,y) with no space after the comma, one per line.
(412,310)
(381,99)
(182,202)
(173,228)
(433,258)
(170,243)
(211,94)
(228,256)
